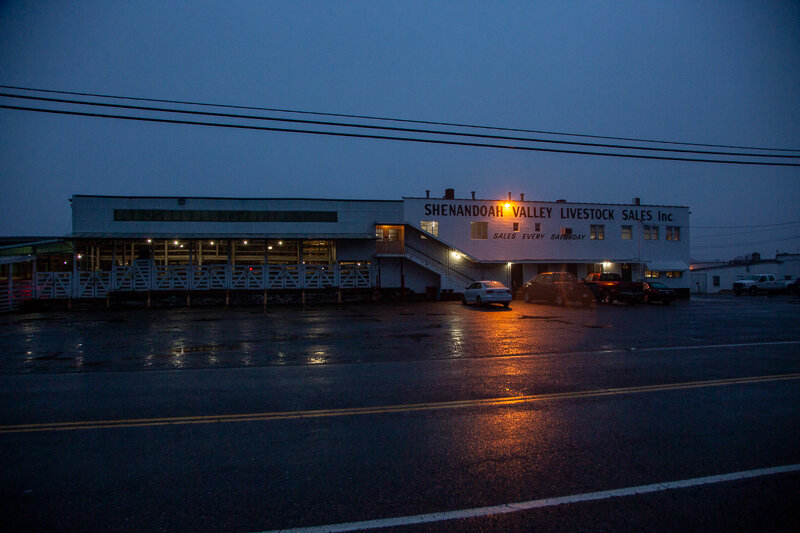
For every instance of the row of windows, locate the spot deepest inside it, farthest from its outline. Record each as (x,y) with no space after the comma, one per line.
(667,273)
(196,215)
(597,232)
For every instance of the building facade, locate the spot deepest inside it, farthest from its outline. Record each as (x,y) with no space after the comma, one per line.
(416,244)
(712,278)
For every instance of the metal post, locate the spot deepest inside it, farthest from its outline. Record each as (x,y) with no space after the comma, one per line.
(265,274)
(228,272)
(11,286)
(190,274)
(75,280)
(301,269)
(402,282)
(34,270)
(114,264)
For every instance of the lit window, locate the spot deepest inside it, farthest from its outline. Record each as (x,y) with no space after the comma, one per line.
(597,232)
(516,226)
(673,233)
(651,233)
(478,230)
(674,273)
(627,233)
(652,274)
(566,231)
(431,226)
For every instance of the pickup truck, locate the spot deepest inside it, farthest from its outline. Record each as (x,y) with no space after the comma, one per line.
(755,283)
(608,287)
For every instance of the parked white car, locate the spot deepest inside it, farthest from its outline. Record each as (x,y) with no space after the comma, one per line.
(759,283)
(487,292)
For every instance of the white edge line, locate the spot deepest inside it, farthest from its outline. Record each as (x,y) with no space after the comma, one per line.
(701,346)
(546,502)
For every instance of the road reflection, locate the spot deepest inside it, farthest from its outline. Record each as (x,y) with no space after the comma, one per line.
(523,329)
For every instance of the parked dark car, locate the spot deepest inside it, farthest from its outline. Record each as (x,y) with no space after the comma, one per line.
(655,291)
(559,288)
(608,287)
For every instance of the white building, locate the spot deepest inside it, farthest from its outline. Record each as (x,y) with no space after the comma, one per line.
(712,278)
(419,244)
(513,240)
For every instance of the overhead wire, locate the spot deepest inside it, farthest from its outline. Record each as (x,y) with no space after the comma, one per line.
(737,245)
(386,128)
(787,228)
(749,226)
(392,138)
(391,119)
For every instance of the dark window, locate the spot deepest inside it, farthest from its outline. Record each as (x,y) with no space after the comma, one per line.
(195,215)
(627,233)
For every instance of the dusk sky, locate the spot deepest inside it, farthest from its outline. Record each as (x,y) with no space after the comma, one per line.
(723,73)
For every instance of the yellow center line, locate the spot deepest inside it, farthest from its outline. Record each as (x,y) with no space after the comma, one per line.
(319,413)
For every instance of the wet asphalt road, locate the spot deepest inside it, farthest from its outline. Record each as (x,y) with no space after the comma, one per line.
(302,417)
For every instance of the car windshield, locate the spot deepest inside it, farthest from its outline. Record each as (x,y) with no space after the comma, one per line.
(657,284)
(495,285)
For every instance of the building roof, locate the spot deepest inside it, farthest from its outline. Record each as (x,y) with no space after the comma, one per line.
(228,198)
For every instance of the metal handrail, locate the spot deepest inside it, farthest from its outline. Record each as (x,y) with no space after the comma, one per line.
(447,269)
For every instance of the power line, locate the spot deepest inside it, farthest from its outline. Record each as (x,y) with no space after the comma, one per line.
(750,226)
(741,232)
(392,119)
(392,138)
(737,245)
(388,128)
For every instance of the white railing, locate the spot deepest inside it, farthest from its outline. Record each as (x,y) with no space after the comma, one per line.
(319,276)
(283,277)
(209,277)
(144,276)
(13,294)
(244,277)
(354,277)
(170,277)
(92,285)
(136,277)
(53,285)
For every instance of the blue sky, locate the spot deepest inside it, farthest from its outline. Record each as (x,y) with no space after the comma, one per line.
(704,72)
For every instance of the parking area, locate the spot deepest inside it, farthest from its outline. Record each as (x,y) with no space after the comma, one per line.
(142,339)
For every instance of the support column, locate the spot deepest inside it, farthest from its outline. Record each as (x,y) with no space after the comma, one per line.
(75,281)
(190,274)
(402,282)
(228,274)
(34,271)
(11,285)
(114,266)
(301,268)
(265,276)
